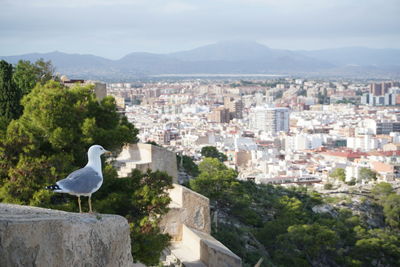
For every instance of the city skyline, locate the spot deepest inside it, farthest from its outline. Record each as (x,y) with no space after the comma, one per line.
(114,29)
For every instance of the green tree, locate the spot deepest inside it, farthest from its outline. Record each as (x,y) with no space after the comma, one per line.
(289,211)
(212,152)
(27,74)
(51,138)
(391,210)
(338,173)
(10,95)
(376,247)
(215,180)
(367,174)
(328,186)
(189,166)
(307,243)
(382,190)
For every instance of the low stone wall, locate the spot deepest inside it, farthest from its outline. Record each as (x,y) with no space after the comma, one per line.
(146,156)
(189,208)
(31,236)
(189,224)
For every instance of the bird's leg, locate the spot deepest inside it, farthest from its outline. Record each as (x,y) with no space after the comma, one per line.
(90,205)
(79,203)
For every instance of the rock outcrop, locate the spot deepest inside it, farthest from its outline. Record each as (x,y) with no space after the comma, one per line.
(31,236)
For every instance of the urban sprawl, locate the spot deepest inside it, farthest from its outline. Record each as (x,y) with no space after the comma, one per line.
(284,131)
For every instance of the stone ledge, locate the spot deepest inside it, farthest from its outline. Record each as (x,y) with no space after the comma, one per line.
(186,207)
(212,252)
(31,236)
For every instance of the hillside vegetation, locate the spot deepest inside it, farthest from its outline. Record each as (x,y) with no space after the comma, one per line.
(298,227)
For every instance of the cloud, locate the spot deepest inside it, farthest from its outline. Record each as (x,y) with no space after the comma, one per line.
(114,27)
(177,7)
(73,3)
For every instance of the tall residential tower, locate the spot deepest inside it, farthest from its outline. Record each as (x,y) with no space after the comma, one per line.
(270,120)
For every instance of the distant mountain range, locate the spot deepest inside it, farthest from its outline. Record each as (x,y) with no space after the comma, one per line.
(228,58)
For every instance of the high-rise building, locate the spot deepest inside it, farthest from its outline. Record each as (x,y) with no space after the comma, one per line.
(379,127)
(220,115)
(271,120)
(376,89)
(235,107)
(385,87)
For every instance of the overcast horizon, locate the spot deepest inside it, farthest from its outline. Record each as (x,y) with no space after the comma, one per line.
(112,29)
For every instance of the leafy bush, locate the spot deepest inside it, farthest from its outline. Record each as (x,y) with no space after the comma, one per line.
(338,173)
(328,186)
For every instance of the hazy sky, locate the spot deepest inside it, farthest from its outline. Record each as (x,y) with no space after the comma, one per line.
(113,28)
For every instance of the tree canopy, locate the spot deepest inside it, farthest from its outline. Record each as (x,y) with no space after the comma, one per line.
(338,173)
(51,139)
(27,74)
(382,190)
(10,95)
(214,180)
(52,136)
(367,174)
(279,224)
(212,152)
(189,166)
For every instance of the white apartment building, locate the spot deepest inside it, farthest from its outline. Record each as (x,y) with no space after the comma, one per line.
(363,143)
(270,120)
(381,126)
(303,142)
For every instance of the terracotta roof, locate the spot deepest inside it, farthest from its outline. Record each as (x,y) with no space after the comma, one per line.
(345,154)
(384,153)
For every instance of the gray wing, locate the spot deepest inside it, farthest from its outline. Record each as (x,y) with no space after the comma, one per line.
(82,181)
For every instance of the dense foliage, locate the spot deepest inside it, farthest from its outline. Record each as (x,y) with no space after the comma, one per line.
(279,224)
(52,136)
(189,166)
(212,152)
(10,95)
(367,174)
(50,139)
(338,173)
(27,74)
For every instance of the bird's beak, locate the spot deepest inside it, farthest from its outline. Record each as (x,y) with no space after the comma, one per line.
(107,152)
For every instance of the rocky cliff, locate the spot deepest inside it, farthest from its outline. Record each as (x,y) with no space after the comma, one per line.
(31,236)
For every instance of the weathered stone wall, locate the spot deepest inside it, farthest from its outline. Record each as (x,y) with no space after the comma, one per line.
(196,210)
(146,156)
(188,222)
(31,236)
(189,208)
(164,160)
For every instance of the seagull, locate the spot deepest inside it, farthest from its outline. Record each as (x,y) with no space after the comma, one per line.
(85,181)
